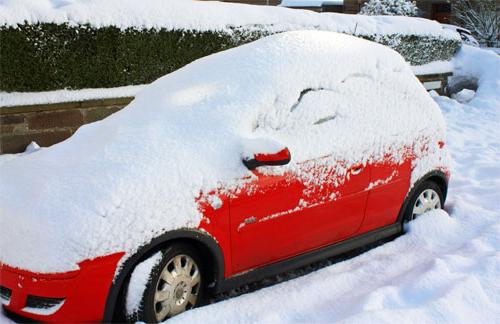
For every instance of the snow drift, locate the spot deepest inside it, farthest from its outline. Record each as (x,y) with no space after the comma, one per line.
(120,182)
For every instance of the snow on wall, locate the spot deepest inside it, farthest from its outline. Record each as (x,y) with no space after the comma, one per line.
(103,190)
(436,67)
(204,15)
(310,3)
(46,97)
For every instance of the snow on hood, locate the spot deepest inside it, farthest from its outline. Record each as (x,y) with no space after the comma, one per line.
(118,183)
(205,15)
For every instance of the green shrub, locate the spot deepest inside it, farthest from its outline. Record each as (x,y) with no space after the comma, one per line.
(50,56)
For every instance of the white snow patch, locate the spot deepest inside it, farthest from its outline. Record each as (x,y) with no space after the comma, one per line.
(483,65)
(138,280)
(254,146)
(382,182)
(30,148)
(464,96)
(47,97)
(495,50)
(310,3)
(436,67)
(214,201)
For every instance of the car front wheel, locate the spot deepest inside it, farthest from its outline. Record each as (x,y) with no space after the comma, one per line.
(175,285)
(425,197)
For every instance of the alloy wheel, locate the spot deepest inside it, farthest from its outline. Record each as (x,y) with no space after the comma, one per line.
(426,201)
(178,287)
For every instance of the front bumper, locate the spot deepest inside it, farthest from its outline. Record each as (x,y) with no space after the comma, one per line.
(75,296)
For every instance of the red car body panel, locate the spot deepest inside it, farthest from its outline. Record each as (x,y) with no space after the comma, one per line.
(84,290)
(279,216)
(271,218)
(390,182)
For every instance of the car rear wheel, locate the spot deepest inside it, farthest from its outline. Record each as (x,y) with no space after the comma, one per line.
(175,285)
(425,197)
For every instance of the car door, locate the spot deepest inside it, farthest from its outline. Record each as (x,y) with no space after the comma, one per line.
(312,203)
(389,184)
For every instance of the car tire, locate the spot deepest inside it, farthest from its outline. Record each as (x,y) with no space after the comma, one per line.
(175,284)
(424,197)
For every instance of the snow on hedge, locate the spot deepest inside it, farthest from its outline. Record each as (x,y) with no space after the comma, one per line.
(118,183)
(390,8)
(204,15)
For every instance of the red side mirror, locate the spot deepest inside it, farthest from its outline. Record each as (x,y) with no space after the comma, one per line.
(281,157)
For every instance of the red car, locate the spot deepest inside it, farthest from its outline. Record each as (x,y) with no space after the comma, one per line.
(241,165)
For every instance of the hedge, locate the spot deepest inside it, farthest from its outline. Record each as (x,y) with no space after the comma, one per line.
(49,56)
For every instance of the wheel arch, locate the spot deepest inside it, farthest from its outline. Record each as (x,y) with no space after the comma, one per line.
(436,176)
(209,248)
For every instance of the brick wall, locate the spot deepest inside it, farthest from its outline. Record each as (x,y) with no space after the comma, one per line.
(51,123)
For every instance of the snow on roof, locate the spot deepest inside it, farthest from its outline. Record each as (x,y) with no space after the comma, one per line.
(204,15)
(117,183)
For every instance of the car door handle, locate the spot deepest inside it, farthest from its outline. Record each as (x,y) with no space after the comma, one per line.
(356,170)
(250,220)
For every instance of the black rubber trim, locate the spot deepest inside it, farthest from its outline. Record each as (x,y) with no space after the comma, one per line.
(42,302)
(308,258)
(252,164)
(439,174)
(5,293)
(152,247)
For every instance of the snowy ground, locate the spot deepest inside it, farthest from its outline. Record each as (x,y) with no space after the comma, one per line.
(445,269)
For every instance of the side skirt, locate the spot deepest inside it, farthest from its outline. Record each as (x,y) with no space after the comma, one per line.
(308,258)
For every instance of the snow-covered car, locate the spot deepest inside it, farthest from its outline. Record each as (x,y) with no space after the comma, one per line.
(465,34)
(241,165)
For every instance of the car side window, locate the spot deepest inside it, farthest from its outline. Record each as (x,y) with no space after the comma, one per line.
(337,120)
(313,107)
(309,122)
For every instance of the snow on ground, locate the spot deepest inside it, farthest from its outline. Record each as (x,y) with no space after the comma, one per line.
(446,269)
(205,15)
(494,49)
